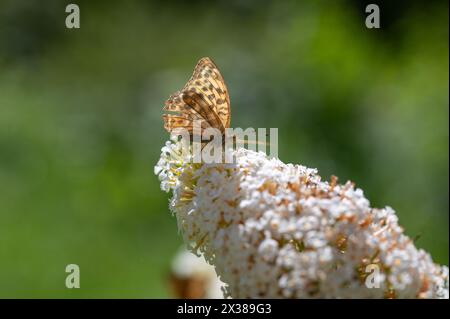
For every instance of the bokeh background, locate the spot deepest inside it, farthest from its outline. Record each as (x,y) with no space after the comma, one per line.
(81,128)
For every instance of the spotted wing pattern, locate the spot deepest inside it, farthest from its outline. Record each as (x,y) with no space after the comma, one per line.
(204,97)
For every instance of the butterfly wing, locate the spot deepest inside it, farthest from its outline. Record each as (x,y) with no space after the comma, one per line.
(203,106)
(204,97)
(173,122)
(208,80)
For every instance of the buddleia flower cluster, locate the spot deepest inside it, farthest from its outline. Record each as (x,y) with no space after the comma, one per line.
(275,230)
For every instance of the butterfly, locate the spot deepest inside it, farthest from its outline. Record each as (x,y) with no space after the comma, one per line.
(204,97)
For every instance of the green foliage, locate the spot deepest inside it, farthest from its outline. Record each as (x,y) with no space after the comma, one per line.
(81,128)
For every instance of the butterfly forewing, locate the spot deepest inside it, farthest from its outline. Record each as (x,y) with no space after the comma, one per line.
(203,107)
(204,97)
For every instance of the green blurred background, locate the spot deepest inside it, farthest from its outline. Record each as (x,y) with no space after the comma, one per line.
(81,128)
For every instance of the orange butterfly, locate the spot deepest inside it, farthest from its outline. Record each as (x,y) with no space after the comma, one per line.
(204,97)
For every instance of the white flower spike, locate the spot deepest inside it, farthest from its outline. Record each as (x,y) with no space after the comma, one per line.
(275,230)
